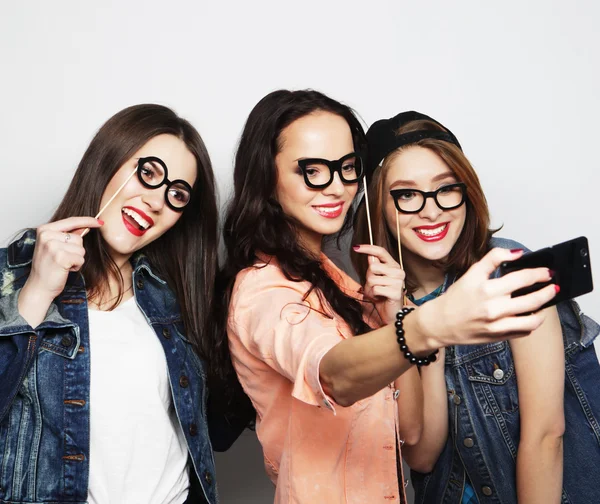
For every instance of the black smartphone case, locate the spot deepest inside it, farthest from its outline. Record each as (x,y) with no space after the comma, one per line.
(570,262)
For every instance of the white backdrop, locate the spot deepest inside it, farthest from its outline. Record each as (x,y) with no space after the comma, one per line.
(517,82)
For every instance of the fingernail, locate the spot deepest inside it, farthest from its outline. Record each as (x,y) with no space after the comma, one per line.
(356,247)
(557,288)
(100,221)
(516,251)
(551,273)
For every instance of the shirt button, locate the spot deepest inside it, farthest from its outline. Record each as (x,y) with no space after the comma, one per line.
(468,442)
(456,400)
(184,382)
(486,490)
(498,374)
(66,341)
(140,283)
(193,429)
(208,477)
(166,333)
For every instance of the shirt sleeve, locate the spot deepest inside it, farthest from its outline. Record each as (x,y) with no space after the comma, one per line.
(275,324)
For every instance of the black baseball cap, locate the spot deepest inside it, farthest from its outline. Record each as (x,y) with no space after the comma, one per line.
(382,138)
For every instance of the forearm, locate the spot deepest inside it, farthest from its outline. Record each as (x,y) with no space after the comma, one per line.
(410,406)
(361,366)
(423,455)
(540,470)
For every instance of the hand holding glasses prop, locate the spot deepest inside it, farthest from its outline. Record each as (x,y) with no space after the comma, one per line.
(152,172)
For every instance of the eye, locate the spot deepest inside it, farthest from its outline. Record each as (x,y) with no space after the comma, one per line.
(178,195)
(447,189)
(350,167)
(406,195)
(313,170)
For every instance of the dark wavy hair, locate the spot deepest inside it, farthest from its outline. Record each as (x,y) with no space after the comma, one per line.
(186,255)
(255,222)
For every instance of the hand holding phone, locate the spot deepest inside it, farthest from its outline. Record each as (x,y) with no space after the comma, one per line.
(570,263)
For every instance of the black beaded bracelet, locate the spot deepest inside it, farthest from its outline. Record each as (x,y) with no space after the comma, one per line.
(419,361)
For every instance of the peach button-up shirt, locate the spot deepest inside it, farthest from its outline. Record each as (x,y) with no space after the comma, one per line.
(315,451)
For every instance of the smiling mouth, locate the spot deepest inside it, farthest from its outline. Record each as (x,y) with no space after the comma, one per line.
(432,233)
(329,211)
(136,222)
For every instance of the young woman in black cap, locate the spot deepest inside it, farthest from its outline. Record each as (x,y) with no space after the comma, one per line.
(494,414)
(326,400)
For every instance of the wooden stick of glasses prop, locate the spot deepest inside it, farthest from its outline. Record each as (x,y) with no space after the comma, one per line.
(368,211)
(87,230)
(404,300)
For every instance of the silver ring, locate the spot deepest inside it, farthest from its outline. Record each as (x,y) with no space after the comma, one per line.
(67,237)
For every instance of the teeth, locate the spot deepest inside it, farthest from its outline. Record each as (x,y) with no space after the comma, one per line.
(432,232)
(143,223)
(331,210)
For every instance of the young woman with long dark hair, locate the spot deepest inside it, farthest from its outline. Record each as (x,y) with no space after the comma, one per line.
(103,337)
(320,360)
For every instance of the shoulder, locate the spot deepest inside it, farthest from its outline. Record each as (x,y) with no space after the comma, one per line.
(506,243)
(262,277)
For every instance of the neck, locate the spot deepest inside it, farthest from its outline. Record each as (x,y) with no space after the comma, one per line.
(313,242)
(105,295)
(423,273)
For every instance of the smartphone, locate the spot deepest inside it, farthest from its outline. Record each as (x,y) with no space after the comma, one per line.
(570,262)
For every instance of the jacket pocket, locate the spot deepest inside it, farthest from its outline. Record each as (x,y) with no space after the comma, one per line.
(493,379)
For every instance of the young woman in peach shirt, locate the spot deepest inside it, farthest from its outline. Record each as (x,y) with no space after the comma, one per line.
(327,402)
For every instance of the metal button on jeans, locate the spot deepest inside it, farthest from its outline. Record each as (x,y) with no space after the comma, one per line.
(184,381)
(140,283)
(208,477)
(498,374)
(66,341)
(166,333)
(456,400)
(193,429)
(486,490)
(468,442)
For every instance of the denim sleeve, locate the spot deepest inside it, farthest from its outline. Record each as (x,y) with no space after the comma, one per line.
(19,344)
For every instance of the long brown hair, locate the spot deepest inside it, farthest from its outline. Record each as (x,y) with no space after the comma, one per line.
(472,243)
(186,255)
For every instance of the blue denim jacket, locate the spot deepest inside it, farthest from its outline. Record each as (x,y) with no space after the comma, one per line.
(45,385)
(484,428)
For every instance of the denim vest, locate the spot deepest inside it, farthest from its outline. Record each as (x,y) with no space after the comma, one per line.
(484,427)
(45,385)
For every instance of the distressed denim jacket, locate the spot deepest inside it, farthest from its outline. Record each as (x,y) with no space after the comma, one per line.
(484,424)
(45,385)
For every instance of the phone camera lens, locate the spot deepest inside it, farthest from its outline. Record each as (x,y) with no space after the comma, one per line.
(583,252)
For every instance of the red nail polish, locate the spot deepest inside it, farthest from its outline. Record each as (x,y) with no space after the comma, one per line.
(557,288)
(100,221)
(356,247)
(516,251)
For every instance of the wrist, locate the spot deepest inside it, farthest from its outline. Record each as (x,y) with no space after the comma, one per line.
(423,335)
(411,355)
(33,303)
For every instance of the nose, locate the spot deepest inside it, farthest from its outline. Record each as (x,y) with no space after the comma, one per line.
(154,198)
(430,211)
(336,188)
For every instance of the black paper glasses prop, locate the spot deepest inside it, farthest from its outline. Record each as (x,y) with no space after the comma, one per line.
(411,201)
(152,173)
(318,173)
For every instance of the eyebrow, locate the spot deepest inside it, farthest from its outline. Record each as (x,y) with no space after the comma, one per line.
(312,157)
(412,183)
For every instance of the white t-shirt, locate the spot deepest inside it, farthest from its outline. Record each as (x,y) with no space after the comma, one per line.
(138,452)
